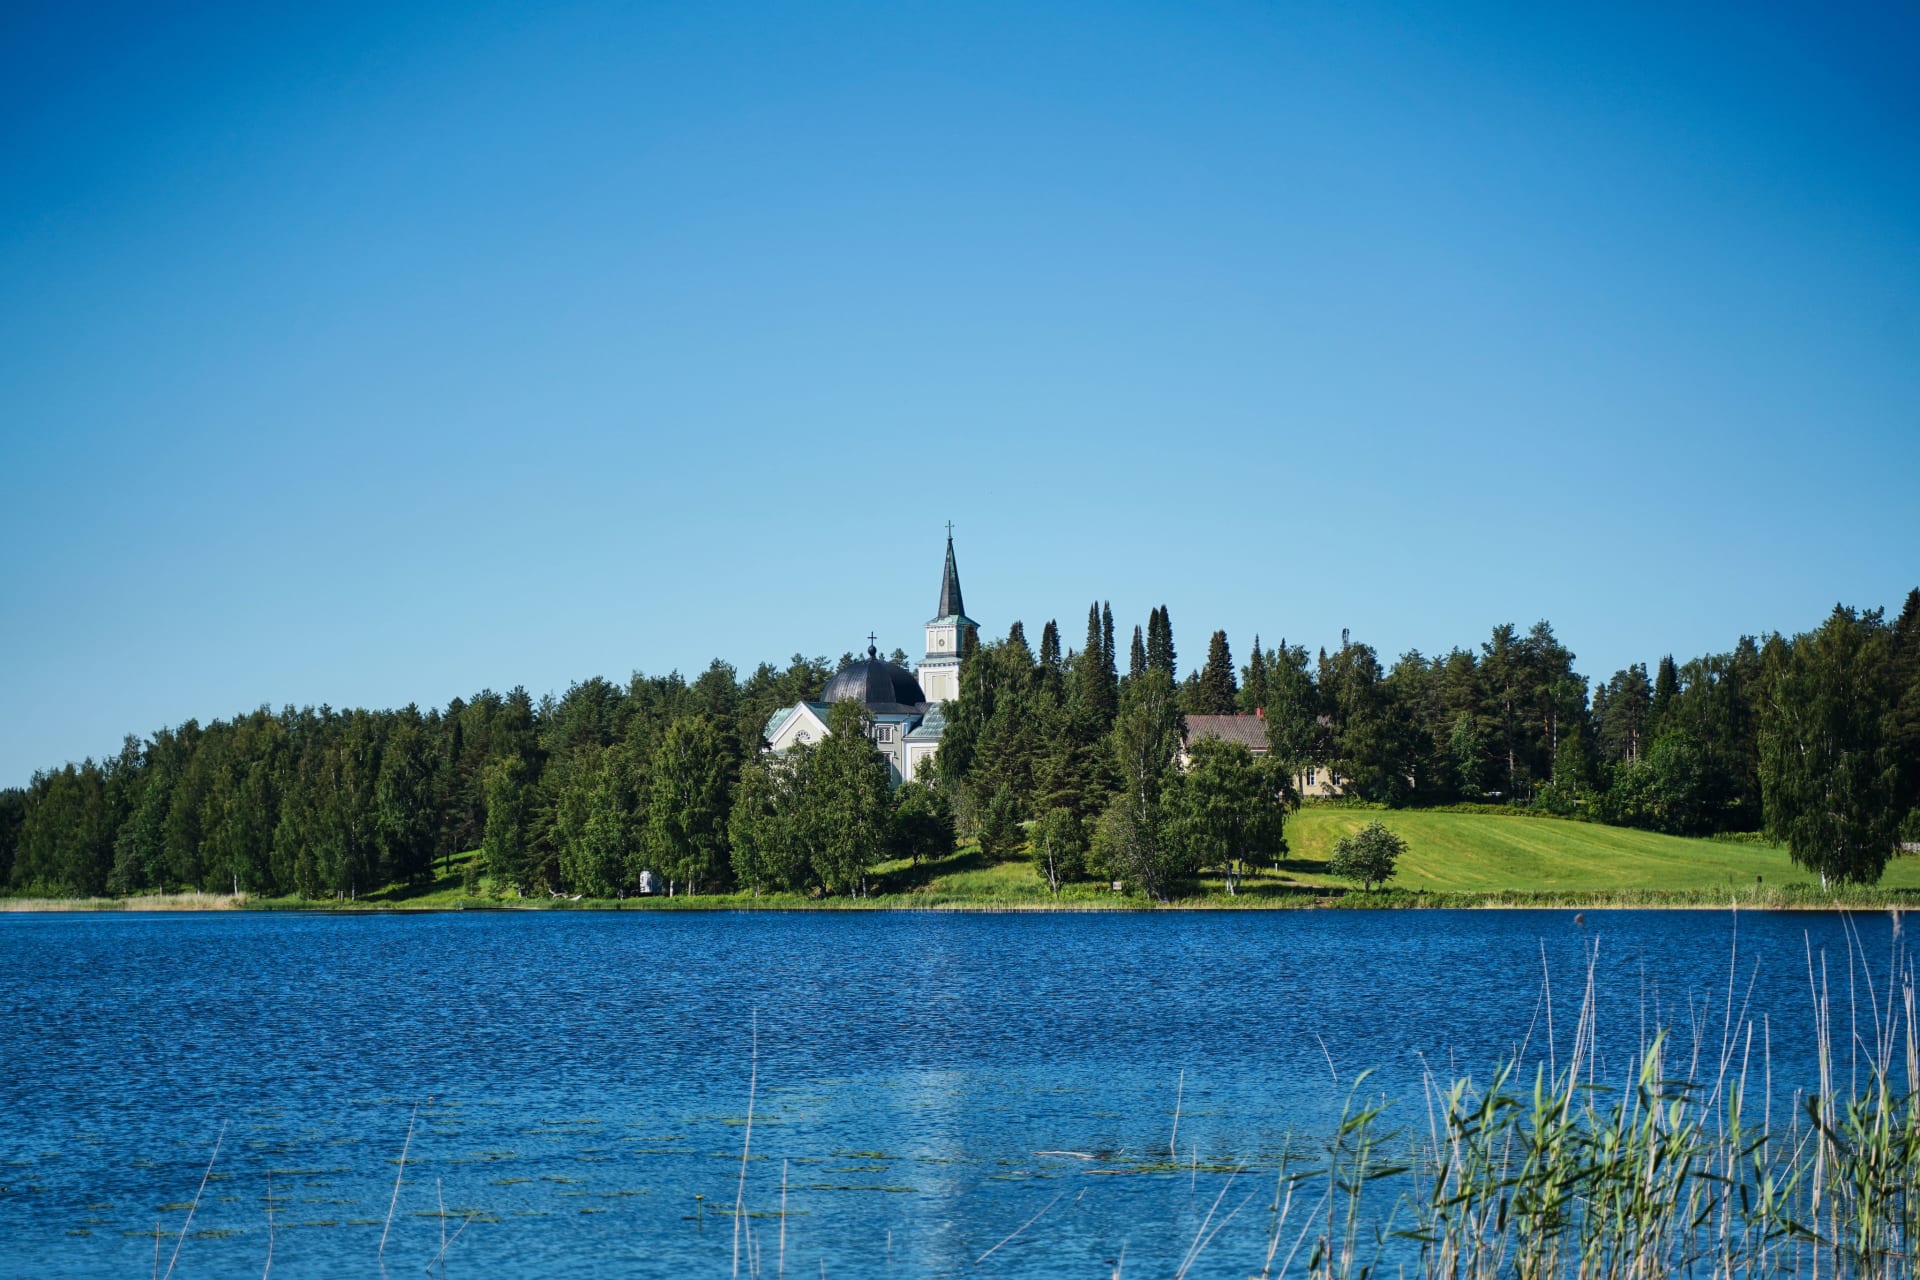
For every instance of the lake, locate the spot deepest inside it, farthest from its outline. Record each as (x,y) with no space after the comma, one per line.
(582,1079)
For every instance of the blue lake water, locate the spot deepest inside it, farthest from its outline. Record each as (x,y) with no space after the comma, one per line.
(581,1079)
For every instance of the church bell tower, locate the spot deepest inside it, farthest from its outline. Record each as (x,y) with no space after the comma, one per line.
(951,635)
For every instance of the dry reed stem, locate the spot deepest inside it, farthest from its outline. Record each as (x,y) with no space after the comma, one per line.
(196,1202)
(448,1245)
(1022,1227)
(269,1267)
(746,1143)
(1173,1139)
(399,1173)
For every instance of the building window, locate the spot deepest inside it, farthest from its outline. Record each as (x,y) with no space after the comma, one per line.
(1312,775)
(883,733)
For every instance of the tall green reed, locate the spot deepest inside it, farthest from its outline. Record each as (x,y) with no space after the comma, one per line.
(1678,1167)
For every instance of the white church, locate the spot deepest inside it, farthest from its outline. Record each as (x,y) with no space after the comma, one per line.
(903,706)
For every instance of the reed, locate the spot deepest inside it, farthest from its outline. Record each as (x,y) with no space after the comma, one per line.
(1554,1172)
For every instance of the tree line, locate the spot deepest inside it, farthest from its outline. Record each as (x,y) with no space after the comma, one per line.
(1055,751)
(1813,739)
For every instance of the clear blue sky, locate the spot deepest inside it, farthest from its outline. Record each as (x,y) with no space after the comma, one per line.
(380,354)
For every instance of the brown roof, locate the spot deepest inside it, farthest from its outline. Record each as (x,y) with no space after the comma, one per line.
(1248,731)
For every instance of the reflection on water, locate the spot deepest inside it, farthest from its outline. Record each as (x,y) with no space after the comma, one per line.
(926,1083)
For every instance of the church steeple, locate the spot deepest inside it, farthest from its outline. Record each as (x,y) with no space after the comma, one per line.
(950,604)
(950,636)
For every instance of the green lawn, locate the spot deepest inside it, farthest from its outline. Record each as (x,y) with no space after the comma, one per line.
(1487,853)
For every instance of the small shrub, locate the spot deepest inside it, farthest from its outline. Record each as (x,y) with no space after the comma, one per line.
(1367,856)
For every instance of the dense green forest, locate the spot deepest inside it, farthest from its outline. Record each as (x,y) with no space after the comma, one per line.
(1068,754)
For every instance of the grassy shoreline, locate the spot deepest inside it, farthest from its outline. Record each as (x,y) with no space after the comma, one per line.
(1789,898)
(1454,861)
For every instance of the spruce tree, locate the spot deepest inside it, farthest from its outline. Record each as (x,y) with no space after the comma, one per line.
(1160,653)
(1216,691)
(1253,688)
(1666,688)
(1109,670)
(1050,645)
(1136,657)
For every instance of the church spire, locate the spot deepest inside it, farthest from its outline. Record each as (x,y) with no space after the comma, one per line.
(950,605)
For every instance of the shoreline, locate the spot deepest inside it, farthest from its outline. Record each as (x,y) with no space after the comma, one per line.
(1622,900)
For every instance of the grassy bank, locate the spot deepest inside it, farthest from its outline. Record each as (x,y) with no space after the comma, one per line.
(1453,860)
(145,902)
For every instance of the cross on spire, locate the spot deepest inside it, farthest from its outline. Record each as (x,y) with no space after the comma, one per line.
(871,651)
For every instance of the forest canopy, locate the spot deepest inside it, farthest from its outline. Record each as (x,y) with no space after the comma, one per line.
(1814,739)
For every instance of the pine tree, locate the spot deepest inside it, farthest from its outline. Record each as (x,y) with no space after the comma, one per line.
(1136,657)
(1216,691)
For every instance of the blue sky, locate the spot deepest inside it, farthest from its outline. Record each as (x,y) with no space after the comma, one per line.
(381,354)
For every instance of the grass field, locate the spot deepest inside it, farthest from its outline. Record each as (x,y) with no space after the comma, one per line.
(1453,859)
(1483,853)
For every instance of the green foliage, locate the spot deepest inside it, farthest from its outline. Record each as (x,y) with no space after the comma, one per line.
(611,851)
(1131,842)
(1227,809)
(845,814)
(688,792)
(1253,684)
(923,826)
(509,793)
(1293,709)
(1160,654)
(1216,692)
(1828,777)
(1146,734)
(557,791)
(995,734)
(1368,856)
(764,828)
(1000,835)
(1058,843)
(407,812)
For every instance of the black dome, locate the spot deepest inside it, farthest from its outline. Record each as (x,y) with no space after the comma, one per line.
(878,685)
